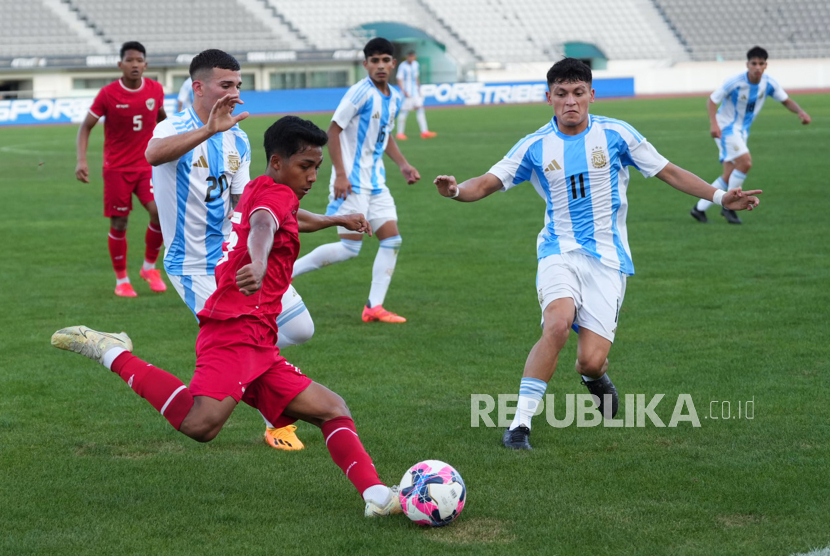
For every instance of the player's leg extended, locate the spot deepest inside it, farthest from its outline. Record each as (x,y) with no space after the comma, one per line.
(592,364)
(347,248)
(152,247)
(401,136)
(382,271)
(117,242)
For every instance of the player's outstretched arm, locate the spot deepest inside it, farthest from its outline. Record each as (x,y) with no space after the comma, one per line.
(311,222)
(793,107)
(409,172)
(687,182)
(471,190)
(260,240)
(81,146)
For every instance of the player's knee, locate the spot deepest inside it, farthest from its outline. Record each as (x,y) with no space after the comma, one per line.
(349,248)
(336,407)
(200,430)
(556,330)
(119,222)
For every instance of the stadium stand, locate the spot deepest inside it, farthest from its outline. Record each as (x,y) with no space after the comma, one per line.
(713,29)
(30,28)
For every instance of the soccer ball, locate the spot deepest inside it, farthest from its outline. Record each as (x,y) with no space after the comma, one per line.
(432,493)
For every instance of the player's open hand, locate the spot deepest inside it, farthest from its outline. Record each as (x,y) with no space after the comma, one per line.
(447,186)
(737,199)
(249,277)
(82,172)
(714,131)
(356,223)
(221,115)
(342,187)
(410,174)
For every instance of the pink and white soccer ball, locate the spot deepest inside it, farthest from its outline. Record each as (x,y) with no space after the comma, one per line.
(432,493)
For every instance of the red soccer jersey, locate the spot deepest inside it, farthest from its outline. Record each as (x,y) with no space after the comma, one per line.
(227,301)
(131,115)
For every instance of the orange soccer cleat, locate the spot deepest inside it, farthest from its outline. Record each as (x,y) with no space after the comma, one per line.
(372,314)
(153,277)
(428,135)
(125,290)
(401,137)
(283,438)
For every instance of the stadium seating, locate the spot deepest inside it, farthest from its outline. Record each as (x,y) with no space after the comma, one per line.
(31,29)
(713,29)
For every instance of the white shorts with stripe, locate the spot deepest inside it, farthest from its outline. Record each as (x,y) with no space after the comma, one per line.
(378,208)
(731,146)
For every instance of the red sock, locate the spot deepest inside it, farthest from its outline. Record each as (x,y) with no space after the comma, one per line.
(118,252)
(165,392)
(152,241)
(348,453)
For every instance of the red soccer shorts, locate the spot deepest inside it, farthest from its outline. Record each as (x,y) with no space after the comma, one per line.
(239,358)
(119,186)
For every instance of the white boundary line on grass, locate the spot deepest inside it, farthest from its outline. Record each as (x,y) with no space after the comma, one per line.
(815,552)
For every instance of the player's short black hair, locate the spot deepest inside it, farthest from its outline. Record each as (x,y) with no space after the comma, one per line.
(132,45)
(756,52)
(378,45)
(569,70)
(212,58)
(290,135)
(410,53)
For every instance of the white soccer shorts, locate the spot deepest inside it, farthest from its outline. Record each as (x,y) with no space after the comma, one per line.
(378,209)
(412,103)
(597,290)
(731,146)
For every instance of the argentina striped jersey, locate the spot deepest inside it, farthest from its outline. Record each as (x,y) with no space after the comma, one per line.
(193,194)
(408,74)
(367,118)
(583,180)
(742,101)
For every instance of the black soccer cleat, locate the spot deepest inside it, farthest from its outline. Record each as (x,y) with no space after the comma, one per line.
(517,439)
(730,216)
(699,215)
(599,388)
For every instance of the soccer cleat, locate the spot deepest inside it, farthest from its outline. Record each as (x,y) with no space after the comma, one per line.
(153,277)
(283,438)
(125,290)
(517,439)
(401,137)
(730,216)
(428,135)
(699,215)
(599,388)
(90,343)
(391,507)
(378,313)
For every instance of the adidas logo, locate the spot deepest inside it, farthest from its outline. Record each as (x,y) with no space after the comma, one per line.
(552,166)
(201,163)
(376,116)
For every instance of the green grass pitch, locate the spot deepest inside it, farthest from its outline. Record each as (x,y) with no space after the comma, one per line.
(723,313)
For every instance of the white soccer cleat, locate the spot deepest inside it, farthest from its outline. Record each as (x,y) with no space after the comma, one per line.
(90,343)
(391,507)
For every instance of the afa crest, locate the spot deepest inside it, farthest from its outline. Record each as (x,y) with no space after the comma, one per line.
(598,159)
(151,103)
(233,162)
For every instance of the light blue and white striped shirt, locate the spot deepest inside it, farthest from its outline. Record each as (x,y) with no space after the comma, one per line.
(408,74)
(583,180)
(742,101)
(367,118)
(193,194)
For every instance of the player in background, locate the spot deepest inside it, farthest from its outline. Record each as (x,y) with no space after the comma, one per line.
(578,164)
(409,80)
(359,134)
(132,105)
(202,160)
(741,98)
(236,359)
(185,98)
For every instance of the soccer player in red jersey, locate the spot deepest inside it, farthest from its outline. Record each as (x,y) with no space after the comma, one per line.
(132,106)
(236,356)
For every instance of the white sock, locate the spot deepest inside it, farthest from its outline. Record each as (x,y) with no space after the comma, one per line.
(703,204)
(421,116)
(531,392)
(110,355)
(379,494)
(148,266)
(294,326)
(383,269)
(736,179)
(267,422)
(124,280)
(402,121)
(327,254)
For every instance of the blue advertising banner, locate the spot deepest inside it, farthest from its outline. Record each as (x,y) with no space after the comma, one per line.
(293,101)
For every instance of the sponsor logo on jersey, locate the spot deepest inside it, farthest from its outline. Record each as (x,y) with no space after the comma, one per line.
(122,105)
(234,161)
(598,159)
(552,166)
(376,116)
(201,163)
(151,103)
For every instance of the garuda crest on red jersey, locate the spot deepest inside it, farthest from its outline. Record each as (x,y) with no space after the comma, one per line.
(151,103)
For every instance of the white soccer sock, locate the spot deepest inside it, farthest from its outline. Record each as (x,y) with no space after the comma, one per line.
(531,392)
(148,266)
(110,356)
(421,115)
(327,254)
(703,204)
(294,326)
(383,269)
(267,422)
(736,179)
(402,121)
(124,280)
(379,494)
